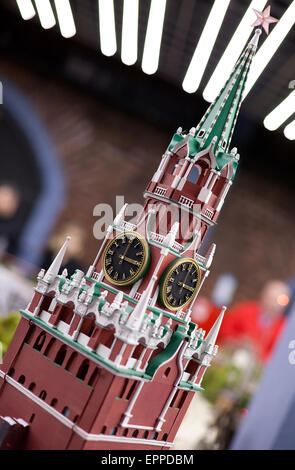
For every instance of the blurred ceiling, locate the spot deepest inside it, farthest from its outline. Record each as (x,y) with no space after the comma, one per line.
(183,25)
(159,97)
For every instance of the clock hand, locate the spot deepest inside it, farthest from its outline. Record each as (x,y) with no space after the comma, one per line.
(127,248)
(183,285)
(184,282)
(129,260)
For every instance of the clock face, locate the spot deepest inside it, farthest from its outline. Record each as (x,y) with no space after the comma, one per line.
(125,258)
(179,283)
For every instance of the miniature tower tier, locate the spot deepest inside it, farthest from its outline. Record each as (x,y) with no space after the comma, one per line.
(111,359)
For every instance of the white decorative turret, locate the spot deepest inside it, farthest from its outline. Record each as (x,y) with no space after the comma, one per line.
(213,333)
(136,317)
(210,255)
(55,266)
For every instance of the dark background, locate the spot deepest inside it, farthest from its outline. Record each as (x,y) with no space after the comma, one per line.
(111,123)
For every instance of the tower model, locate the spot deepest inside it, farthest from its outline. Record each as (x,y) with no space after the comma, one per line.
(111,359)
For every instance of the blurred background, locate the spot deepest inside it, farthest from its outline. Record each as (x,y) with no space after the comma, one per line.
(82,121)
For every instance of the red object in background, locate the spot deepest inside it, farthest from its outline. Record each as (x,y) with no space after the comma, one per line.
(205,313)
(247,321)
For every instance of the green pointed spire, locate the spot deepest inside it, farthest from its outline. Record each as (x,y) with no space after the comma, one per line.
(221,116)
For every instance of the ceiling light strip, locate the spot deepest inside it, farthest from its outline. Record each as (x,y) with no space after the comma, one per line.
(270,46)
(281,113)
(26,9)
(289,131)
(153,38)
(65,18)
(45,13)
(204,47)
(129,32)
(107,28)
(233,51)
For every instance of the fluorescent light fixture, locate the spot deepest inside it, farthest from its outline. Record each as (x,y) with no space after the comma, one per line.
(107,29)
(26,9)
(153,38)
(129,32)
(281,113)
(204,47)
(233,51)
(270,46)
(65,18)
(289,131)
(45,13)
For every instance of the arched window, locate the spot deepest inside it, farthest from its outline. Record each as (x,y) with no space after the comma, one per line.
(135,433)
(66,411)
(21,379)
(194,174)
(126,431)
(93,377)
(32,418)
(155,435)
(53,402)
(165,437)
(83,369)
(113,431)
(43,395)
(132,388)
(104,429)
(39,343)
(49,347)
(124,387)
(11,372)
(88,324)
(146,434)
(60,356)
(167,372)
(70,363)
(30,334)
(32,386)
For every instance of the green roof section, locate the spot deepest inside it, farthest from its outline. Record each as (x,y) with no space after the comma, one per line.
(173,345)
(221,116)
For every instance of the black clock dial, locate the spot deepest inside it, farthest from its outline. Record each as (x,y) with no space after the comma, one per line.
(125,258)
(180,283)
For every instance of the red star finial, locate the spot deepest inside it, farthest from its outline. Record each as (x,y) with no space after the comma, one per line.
(264,19)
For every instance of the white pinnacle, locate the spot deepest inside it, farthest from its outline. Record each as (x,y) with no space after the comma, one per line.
(255,39)
(136,317)
(55,266)
(213,333)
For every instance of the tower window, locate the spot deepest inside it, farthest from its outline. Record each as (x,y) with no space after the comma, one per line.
(130,393)
(43,395)
(60,357)
(93,377)
(21,379)
(69,364)
(167,372)
(113,431)
(66,412)
(124,387)
(53,402)
(29,334)
(32,386)
(135,433)
(193,175)
(39,343)
(82,372)
(201,133)
(49,347)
